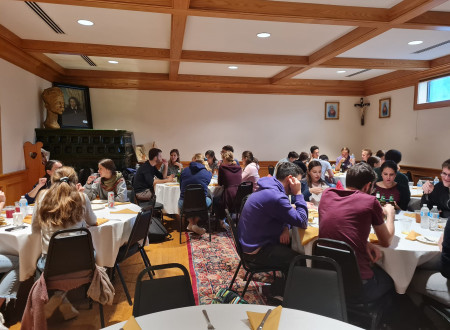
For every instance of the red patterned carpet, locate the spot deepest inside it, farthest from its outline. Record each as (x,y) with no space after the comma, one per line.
(212,266)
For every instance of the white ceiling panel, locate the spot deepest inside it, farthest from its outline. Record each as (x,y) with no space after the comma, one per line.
(331,74)
(214,69)
(125,64)
(393,44)
(239,36)
(356,3)
(444,7)
(111,27)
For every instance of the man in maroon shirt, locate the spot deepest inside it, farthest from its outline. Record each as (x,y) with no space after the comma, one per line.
(347,215)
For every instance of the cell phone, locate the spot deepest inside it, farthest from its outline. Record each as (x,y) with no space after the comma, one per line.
(15,228)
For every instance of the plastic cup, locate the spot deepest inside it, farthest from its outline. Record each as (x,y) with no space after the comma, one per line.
(9,210)
(405,225)
(17,206)
(411,184)
(17,218)
(441,224)
(433,223)
(417,214)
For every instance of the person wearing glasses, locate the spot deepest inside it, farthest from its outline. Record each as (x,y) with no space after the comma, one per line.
(439,194)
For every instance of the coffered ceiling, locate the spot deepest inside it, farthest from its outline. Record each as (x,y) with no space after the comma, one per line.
(190,45)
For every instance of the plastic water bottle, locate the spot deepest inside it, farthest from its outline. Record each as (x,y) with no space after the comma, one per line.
(333,167)
(419,183)
(434,218)
(436,180)
(23,203)
(424,211)
(352,157)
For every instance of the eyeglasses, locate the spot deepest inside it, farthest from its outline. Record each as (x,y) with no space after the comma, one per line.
(443,174)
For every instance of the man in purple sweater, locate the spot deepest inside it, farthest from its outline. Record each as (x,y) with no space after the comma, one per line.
(268,215)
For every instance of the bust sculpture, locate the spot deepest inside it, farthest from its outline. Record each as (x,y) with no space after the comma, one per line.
(54,103)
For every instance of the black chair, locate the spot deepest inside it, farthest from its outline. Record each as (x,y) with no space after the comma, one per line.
(315,290)
(136,243)
(441,311)
(160,294)
(194,205)
(271,169)
(249,267)
(409,176)
(158,207)
(344,255)
(244,189)
(71,251)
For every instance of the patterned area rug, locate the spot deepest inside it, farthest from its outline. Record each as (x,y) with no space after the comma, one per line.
(212,266)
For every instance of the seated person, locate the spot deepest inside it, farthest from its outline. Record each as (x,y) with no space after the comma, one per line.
(380,154)
(225,149)
(292,156)
(230,176)
(109,180)
(302,161)
(212,161)
(174,164)
(439,194)
(196,173)
(347,215)
(267,216)
(388,187)
(44,183)
(326,167)
(144,180)
(365,154)
(374,161)
(251,167)
(313,185)
(62,206)
(344,161)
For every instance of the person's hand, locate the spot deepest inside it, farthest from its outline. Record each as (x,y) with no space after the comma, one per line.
(373,252)
(441,239)
(310,205)
(170,177)
(2,197)
(428,187)
(80,188)
(295,185)
(178,164)
(389,210)
(316,190)
(343,159)
(164,161)
(284,237)
(91,179)
(42,182)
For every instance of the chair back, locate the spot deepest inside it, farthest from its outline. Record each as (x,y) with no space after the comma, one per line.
(234,233)
(344,255)
(69,251)
(271,169)
(244,189)
(160,294)
(316,290)
(140,228)
(194,200)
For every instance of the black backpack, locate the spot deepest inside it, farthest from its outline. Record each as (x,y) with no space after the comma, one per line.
(157,232)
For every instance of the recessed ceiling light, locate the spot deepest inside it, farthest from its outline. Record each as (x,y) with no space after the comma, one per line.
(85,22)
(263,35)
(113,62)
(341,71)
(415,42)
(232,67)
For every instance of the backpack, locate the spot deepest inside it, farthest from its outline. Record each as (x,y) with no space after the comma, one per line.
(225,296)
(157,232)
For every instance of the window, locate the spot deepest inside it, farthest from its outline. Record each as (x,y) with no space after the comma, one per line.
(433,93)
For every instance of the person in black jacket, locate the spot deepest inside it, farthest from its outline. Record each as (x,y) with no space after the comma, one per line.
(439,194)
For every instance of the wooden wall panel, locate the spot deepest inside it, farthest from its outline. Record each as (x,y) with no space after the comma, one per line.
(14,185)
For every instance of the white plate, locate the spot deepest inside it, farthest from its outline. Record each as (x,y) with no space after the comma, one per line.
(434,241)
(99,201)
(97,207)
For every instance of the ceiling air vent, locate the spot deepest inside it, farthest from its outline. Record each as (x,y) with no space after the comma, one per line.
(43,15)
(432,47)
(88,60)
(356,73)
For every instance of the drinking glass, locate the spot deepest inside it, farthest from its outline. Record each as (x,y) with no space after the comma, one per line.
(9,210)
(417,214)
(433,223)
(405,225)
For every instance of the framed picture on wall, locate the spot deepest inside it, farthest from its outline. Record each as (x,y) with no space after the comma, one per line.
(385,108)
(331,110)
(77,107)
(141,154)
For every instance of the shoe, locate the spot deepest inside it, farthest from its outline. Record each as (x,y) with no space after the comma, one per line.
(54,302)
(67,310)
(198,230)
(189,227)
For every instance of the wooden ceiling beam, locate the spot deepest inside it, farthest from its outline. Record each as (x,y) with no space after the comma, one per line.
(375,63)
(431,20)
(178,27)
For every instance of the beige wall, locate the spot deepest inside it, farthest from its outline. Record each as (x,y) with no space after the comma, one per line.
(422,136)
(21,112)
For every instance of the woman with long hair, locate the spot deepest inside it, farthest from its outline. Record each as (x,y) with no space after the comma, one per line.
(251,167)
(43,183)
(313,185)
(110,180)
(388,187)
(174,164)
(212,160)
(62,206)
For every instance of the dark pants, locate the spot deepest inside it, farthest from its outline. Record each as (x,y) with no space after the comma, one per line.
(277,256)
(380,284)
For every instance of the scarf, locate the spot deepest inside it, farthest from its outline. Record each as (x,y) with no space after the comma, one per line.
(111,183)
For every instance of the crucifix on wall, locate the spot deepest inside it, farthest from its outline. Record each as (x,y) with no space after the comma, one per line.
(362,107)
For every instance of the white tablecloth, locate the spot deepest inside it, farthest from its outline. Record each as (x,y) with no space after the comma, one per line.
(106,238)
(416,192)
(168,194)
(232,317)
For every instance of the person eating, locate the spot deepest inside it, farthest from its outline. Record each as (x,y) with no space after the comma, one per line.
(439,194)
(174,164)
(313,185)
(251,167)
(388,187)
(44,183)
(344,162)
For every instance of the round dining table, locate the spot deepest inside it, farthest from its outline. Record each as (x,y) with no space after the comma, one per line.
(228,316)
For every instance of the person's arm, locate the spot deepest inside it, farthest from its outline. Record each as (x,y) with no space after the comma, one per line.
(405,196)
(297,216)
(2,200)
(165,169)
(91,218)
(339,162)
(385,232)
(32,194)
(91,190)
(305,191)
(121,191)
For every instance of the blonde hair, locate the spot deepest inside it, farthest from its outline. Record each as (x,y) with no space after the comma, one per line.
(229,157)
(198,158)
(62,205)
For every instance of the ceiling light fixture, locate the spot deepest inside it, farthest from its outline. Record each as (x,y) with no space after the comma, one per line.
(415,42)
(232,67)
(113,62)
(341,71)
(263,35)
(85,22)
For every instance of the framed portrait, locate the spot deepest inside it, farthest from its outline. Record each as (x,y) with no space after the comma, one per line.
(77,107)
(141,154)
(385,108)
(331,110)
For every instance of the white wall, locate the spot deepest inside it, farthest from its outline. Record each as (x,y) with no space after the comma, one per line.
(21,112)
(422,136)
(268,125)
